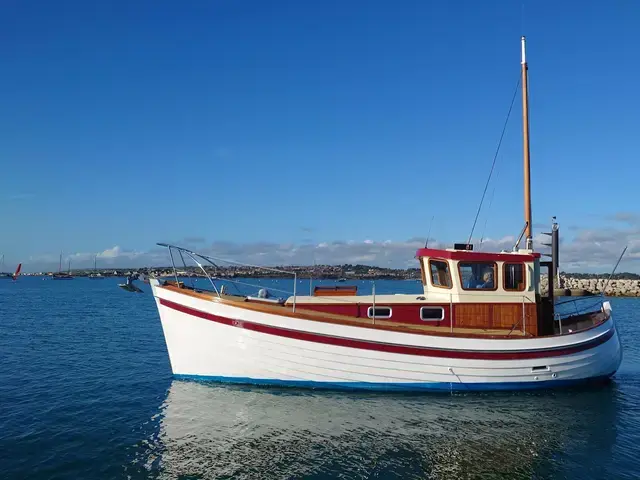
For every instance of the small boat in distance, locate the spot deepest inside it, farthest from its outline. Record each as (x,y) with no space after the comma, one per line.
(129,286)
(481,322)
(60,275)
(7,275)
(95,275)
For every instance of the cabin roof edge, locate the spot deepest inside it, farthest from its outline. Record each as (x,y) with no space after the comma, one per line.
(472,256)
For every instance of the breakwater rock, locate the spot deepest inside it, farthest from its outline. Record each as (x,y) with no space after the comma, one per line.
(572,286)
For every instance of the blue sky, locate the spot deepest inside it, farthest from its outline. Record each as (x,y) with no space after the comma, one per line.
(263,125)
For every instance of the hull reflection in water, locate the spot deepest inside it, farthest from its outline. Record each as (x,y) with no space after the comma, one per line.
(213,431)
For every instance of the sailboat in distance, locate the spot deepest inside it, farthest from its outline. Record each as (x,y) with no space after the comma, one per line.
(60,275)
(7,275)
(95,275)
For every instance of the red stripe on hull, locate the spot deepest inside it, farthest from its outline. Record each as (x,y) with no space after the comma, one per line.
(387,347)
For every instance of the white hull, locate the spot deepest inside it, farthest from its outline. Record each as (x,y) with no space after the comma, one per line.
(246,346)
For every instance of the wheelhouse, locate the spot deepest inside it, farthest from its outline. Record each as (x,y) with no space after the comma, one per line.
(463,276)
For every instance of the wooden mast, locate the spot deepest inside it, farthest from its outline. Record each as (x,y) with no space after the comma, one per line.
(525,135)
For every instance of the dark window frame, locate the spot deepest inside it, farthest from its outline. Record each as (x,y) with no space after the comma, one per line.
(432,307)
(524,277)
(448,273)
(370,311)
(475,262)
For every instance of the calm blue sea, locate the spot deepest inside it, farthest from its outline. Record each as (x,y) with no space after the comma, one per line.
(86,392)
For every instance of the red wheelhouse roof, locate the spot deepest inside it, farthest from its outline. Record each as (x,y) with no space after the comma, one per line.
(471,256)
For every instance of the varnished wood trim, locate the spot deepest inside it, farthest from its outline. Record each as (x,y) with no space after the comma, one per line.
(471,256)
(335,291)
(448,273)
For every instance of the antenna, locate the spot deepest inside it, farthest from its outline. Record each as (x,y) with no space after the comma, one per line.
(486,220)
(429,234)
(614,270)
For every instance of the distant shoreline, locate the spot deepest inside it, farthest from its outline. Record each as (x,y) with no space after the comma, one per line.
(328,272)
(301,276)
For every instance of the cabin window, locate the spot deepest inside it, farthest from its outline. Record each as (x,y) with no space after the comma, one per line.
(478,275)
(380,312)
(440,276)
(430,314)
(514,276)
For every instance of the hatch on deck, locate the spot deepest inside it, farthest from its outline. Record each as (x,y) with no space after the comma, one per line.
(335,290)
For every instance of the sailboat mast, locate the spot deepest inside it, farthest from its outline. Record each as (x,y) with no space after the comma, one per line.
(525,137)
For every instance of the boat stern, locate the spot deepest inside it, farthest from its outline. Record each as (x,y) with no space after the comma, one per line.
(615,339)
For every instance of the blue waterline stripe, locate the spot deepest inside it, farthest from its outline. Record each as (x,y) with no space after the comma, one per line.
(398,387)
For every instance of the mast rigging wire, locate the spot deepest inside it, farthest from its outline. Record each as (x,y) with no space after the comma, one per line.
(484,229)
(495,157)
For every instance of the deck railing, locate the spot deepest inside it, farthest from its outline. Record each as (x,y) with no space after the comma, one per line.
(578,305)
(574,307)
(211,259)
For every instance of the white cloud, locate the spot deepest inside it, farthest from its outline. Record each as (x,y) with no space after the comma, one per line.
(598,250)
(111,252)
(111,257)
